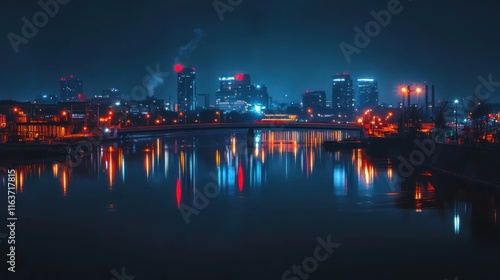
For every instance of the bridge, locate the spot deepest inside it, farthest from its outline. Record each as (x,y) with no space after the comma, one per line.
(161,129)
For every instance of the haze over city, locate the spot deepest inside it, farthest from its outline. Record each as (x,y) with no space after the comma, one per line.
(292,46)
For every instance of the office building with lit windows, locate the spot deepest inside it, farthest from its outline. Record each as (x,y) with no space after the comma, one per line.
(186,89)
(343,100)
(237,93)
(314,100)
(367,93)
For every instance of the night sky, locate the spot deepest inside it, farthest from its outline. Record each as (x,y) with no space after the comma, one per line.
(291,46)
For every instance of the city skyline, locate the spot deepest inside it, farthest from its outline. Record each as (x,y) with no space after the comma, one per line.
(117,94)
(238,139)
(301,56)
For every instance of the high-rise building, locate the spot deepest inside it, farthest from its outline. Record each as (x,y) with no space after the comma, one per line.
(236,93)
(186,89)
(70,89)
(367,93)
(314,100)
(343,100)
(259,98)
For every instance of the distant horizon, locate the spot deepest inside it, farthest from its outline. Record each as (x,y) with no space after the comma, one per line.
(291,46)
(288,101)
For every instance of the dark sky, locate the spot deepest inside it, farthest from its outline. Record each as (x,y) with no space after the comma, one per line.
(291,45)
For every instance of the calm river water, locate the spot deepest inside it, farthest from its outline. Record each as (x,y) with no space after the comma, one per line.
(203,206)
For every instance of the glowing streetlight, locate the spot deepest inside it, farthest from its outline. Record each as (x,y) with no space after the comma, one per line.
(407,91)
(418,91)
(404,90)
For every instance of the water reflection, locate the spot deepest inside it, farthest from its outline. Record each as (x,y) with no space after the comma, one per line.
(282,162)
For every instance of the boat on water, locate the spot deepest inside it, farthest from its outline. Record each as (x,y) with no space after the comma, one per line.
(348,143)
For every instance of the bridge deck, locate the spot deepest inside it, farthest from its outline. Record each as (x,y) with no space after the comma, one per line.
(184,127)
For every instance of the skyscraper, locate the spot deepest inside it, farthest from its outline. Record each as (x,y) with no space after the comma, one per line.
(259,97)
(367,93)
(70,89)
(186,89)
(343,97)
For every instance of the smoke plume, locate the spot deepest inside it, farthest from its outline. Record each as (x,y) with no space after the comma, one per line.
(153,83)
(189,47)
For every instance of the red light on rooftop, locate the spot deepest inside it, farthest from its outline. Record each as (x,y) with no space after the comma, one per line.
(71,76)
(63,79)
(178,68)
(239,77)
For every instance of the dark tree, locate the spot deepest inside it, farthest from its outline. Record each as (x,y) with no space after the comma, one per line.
(440,118)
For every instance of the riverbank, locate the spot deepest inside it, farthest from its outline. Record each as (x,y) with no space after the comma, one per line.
(472,163)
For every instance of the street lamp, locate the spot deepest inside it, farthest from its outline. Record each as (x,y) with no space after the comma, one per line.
(418,91)
(310,112)
(180,116)
(404,90)
(64,114)
(456,120)
(407,90)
